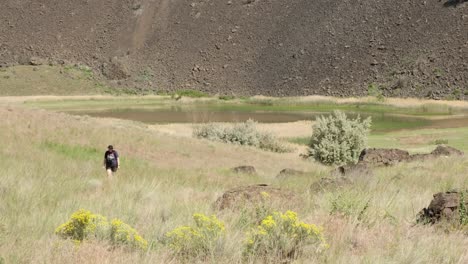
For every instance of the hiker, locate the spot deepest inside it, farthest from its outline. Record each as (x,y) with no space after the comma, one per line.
(111,161)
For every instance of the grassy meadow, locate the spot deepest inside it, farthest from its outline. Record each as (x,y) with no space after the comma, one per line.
(51,166)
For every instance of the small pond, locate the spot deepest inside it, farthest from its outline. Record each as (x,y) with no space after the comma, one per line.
(381,122)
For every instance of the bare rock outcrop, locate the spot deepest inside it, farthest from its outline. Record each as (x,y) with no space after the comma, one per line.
(244,169)
(384,157)
(254,194)
(115,69)
(330,183)
(389,157)
(353,170)
(443,150)
(444,206)
(285,173)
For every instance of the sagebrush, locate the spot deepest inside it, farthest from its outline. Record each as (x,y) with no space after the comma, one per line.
(244,133)
(337,140)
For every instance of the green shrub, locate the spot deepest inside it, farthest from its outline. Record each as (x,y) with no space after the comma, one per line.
(375,91)
(226,97)
(190,93)
(337,139)
(199,240)
(85,225)
(353,203)
(121,233)
(282,237)
(240,134)
(462,210)
(440,141)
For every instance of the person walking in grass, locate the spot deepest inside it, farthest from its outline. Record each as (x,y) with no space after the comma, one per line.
(111,161)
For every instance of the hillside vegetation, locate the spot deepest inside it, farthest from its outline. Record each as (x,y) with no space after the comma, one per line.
(50,166)
(247,47)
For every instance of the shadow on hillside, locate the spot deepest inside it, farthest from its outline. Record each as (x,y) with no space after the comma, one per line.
(454,3)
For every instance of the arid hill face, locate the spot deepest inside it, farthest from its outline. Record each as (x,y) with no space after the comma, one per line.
(269,47)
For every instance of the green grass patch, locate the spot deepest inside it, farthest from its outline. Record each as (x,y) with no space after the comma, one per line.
(226,97)
(115,103)
(48,80)
(300,140)
(415,141)
(191,93)
(267,105)
(72,151)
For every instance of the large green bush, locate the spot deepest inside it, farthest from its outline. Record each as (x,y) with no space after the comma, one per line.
(245,133)
(337,139)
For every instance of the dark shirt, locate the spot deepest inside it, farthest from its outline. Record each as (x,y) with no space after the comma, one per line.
(111,157)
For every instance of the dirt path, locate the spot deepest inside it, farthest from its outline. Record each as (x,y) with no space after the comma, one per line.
(397,102)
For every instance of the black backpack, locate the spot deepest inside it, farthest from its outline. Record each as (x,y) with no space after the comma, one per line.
(111,158)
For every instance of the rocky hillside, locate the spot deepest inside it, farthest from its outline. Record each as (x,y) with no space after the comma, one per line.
(269,47)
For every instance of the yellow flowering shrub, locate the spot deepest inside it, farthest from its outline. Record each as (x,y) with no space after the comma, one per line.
(82,225)
(122,233)
(85,225)
(283,236)
(198,240)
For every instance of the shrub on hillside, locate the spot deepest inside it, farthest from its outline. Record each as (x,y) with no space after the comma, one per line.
(85,225)
(199,240)
(245,133)
(282,237)
(121,233)
(337,139)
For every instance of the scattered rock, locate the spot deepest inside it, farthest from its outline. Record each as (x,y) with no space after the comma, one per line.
(444,206)
(241,196)
(155,35)
(385,157)
(244,170)
(330,183)
(443,150)
(289,172)
(116,69)
(420,157)
(35,61)
(353,170)
(5,64)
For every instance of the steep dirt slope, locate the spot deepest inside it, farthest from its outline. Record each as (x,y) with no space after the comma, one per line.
(270,47)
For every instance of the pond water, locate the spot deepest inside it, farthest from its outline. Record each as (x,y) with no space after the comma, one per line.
(381,122)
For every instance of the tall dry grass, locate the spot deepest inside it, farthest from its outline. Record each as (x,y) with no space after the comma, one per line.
(50,166)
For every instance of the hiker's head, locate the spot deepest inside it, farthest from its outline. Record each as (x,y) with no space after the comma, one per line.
(110,147)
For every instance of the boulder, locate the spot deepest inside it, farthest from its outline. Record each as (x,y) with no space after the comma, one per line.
(330,183)
(36,61)
(290,172)
(250,195)
(244,169)
(115,69)
(384,157)
(445,205)
(440,151)
(420,157)
(353,170)
(443,150)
